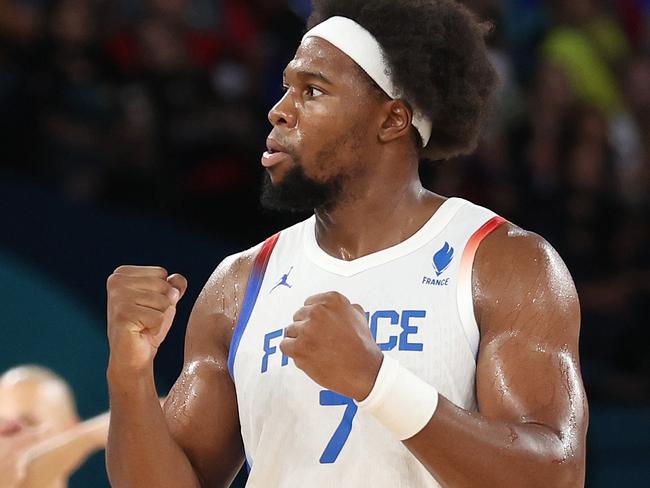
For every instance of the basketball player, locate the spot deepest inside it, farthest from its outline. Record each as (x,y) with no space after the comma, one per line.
(396,338)
(42,441)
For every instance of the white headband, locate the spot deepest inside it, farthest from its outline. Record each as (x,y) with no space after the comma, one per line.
(363,48)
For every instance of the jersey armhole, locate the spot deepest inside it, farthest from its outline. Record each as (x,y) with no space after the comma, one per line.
(255,279)
(465,298)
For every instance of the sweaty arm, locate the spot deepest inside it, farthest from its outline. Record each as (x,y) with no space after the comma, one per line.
(194,440)
(531,425)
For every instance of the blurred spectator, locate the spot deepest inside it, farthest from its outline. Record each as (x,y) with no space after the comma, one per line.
(79,114)
(42,441)
(590,46)
(22,32)
(631,134)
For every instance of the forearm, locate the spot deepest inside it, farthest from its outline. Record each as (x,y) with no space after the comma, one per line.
(141,450)
(459,448)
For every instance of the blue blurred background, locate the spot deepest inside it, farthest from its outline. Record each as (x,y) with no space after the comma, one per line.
(131,130)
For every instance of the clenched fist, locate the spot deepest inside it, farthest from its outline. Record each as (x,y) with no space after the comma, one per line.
(331,342)
(141,307)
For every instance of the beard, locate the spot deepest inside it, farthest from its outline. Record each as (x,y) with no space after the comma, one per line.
(299,193)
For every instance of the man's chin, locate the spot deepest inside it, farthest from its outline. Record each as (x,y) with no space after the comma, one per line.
(276,174)
(293,191)
(275,196)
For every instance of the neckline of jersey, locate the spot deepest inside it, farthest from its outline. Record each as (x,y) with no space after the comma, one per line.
(431,228)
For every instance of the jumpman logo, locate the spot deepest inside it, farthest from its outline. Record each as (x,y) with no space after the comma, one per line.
(283,280)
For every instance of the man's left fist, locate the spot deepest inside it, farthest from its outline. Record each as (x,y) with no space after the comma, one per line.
(331,342)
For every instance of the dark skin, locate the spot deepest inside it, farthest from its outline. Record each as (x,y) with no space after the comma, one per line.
(531,425)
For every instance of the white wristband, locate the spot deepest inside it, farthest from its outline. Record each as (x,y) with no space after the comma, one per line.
(400,400)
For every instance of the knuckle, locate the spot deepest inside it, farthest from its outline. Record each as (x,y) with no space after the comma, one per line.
(141,270)
(116,296)
(161,270)
(319,310)
(112,294)
(112,281)
(340,298)
(287,348)
(299,313)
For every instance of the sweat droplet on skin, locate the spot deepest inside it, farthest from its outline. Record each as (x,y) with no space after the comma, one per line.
(512,437)
(186,390)
(569,432)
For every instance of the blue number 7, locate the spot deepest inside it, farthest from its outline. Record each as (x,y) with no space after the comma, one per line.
(342,432)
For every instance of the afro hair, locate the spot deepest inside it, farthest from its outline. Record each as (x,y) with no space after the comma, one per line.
(438,58)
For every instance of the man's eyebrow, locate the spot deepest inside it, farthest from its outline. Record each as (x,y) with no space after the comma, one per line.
(309,74)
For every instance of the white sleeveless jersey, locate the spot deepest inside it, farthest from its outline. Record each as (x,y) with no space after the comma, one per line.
(418,300)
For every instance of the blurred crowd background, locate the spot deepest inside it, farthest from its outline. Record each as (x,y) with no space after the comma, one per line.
(131,132)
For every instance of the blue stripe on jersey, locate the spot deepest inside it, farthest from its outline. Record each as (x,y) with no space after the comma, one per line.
(252,290)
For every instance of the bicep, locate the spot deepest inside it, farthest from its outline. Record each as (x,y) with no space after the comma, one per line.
(201,411)
(531,381)
(527,370)
(201,408)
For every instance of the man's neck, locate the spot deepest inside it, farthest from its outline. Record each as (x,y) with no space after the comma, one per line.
(383,216)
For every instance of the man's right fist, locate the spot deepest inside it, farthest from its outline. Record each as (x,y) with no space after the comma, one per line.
(141,307)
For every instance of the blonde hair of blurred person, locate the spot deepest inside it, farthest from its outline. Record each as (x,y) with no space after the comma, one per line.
(42,441)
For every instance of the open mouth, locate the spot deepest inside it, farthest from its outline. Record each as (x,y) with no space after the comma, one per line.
(273,157)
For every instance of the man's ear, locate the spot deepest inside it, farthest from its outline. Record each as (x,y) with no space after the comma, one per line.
(397,119)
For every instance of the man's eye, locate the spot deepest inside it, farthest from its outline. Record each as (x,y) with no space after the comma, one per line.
(284,88)
(314,92)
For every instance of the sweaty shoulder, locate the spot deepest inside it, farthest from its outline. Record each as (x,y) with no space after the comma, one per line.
(518,273)
(223,294)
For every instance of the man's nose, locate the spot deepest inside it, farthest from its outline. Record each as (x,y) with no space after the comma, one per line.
(283,114)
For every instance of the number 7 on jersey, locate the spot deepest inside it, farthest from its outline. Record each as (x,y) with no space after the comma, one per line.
(342,432)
